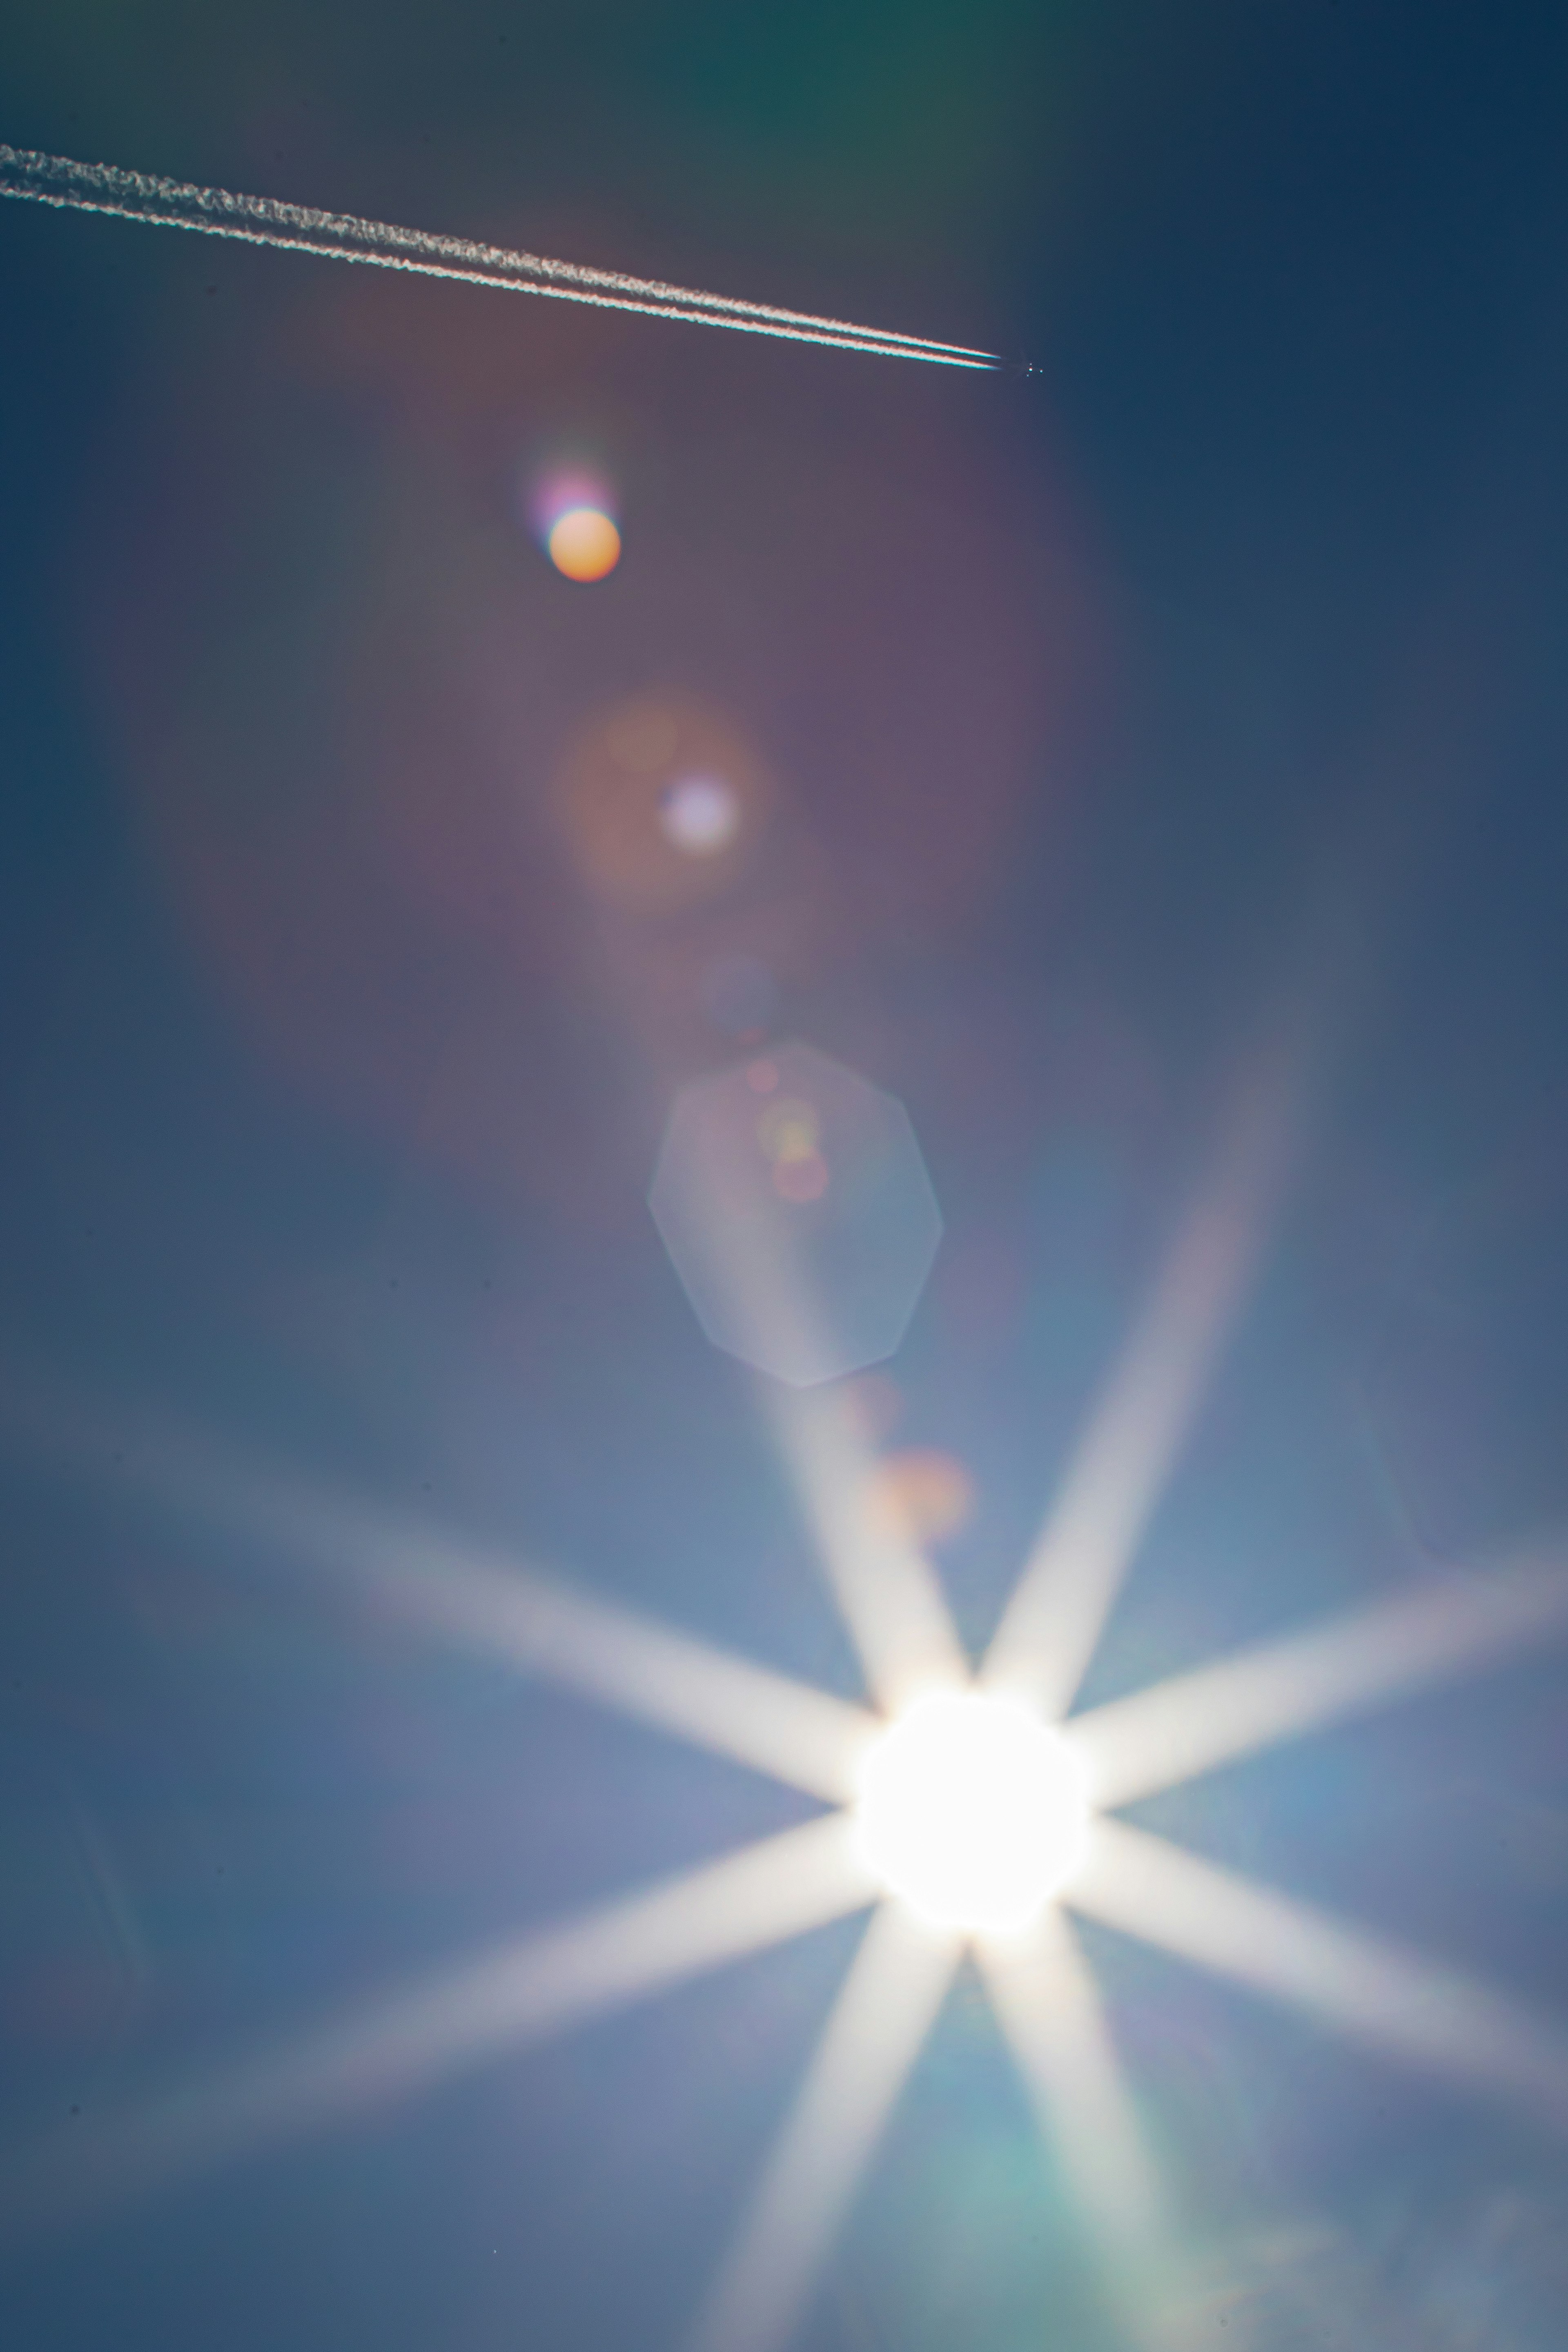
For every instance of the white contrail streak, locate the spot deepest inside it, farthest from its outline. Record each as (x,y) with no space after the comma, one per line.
(538,1985)
(301,228)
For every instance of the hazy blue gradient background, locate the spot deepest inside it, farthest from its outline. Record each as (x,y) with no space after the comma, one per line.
(1226,650)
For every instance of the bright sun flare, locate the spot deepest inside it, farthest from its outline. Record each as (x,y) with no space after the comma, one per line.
(973,1811)
(959,1818)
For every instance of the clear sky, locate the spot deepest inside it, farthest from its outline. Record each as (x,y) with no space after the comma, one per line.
(1056,749)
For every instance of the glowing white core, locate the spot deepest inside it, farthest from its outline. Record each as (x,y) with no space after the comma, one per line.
(973,1811)
(700,814)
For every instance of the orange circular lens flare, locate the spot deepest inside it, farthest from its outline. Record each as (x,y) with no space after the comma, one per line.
(584,544)
(920,1496)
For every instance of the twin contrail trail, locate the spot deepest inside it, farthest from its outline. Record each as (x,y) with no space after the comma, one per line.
(299,229)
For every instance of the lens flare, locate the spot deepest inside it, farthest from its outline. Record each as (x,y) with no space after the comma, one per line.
(664,799)
(584,544)
(973,1813)
(964,1807)
(570,505)
(798,1212)
(700,814)
(924,1495)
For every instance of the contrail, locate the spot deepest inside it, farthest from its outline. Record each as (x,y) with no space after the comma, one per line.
(299,229)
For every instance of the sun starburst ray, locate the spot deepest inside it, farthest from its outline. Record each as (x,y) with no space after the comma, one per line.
(889,1592)
(1444,1626)
(525,1991)
(1050,2009)
(1396,2002)
(482,1598)
(884,2011)
(492,1604)
(1052,1624)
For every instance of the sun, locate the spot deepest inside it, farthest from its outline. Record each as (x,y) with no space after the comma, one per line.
(964,1810)
(973,1811)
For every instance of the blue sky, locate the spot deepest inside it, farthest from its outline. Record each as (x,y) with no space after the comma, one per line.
(1097,715)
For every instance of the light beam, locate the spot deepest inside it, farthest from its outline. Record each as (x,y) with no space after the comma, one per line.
(884,2011)
(1392,2000)
(887,1591)
(1405,2007)
(789,1731)
(482,1598)
(1050,2010)
(1156,1738)
(526,1992)
(1053,1622)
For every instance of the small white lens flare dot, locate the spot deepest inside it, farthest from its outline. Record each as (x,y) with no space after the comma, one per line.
(700,814)
(973,1813)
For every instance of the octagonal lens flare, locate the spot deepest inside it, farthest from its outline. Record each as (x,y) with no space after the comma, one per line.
(973,1813)
(796,1206)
